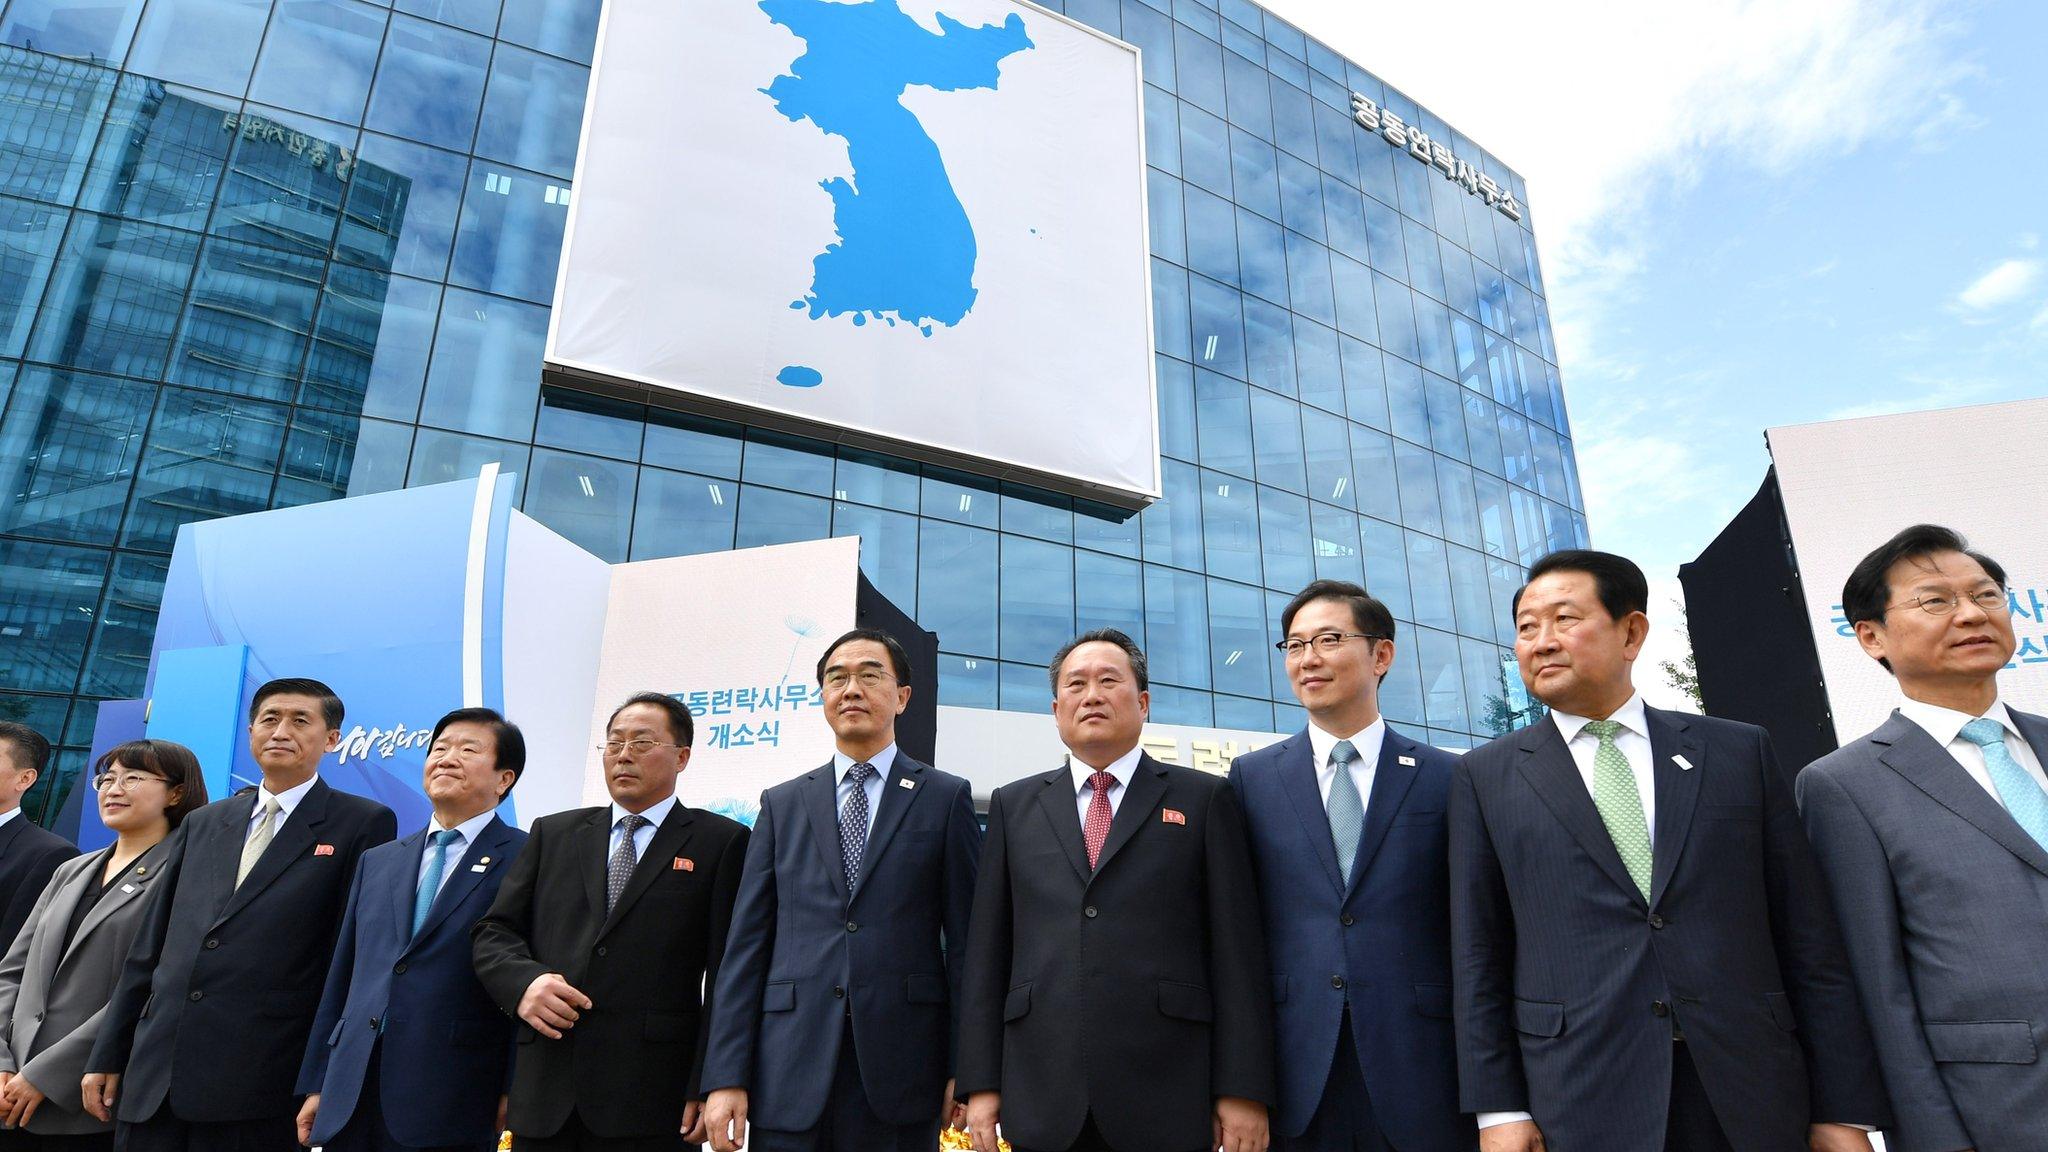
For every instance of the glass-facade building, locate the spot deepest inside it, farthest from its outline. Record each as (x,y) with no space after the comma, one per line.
(258,253)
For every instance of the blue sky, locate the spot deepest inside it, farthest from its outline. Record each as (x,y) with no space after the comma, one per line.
(1750,215)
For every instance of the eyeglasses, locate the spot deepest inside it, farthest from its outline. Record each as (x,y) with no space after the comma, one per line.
(127,780)
(638,747)
(1991,600)
(838,678)
(1325,642)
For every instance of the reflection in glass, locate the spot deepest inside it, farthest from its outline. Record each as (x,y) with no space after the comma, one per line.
(1230,528)
(585,499)
(209,44)
(769,516)
(1284,539)
(209,455)
(317,57)
(113,303)
(68,449)
(679,514)
(48,595)
(533,111)
(370,343)
(510,238)
(485,376)
(29,235)
(1036,609)
(1108,593)
(249,321)
(98,31)
(285,180)
(430,83)
(1237,639)
(1176,629)
(956,586)
(888,548)
(438,457)
(402,207)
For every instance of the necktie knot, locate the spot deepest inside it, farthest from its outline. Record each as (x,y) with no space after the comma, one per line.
(860,772)
(1095,823)
(1102,782)
(1984,732)
(444,839)
(1343,752)
(1604,730)
(632,822)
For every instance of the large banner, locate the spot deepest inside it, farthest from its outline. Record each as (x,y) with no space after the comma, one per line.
(1849,485)
(914,224)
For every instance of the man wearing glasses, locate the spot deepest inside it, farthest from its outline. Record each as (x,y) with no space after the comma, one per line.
(1346,819)
(1933,834)
(602,940)
(837,1006)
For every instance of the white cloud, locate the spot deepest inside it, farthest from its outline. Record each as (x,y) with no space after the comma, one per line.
(2007,282)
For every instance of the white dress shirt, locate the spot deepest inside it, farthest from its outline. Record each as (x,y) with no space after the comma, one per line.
(1084,789)
(642,835)
(843,764)
(1367,740)
(287,800)
(10,814)
(1946,726)
(465,838)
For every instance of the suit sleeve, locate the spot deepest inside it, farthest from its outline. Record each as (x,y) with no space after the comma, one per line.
(986,980)
(1241,983)
(340,971)
(131,993)
(1846,1086)
(35,876)
(1853,861)
(734,1016)
(1490,1075)
(11,968)
(725,895)
(501,942)
(963,863)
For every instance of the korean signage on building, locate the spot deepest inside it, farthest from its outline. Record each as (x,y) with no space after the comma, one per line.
(1410,138)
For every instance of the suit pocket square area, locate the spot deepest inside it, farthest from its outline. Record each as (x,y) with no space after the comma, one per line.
(1981,1041)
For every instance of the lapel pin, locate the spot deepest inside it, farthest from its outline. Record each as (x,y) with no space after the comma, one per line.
(476,867)
(142,869)
(1682,762)
(127,887)
(1407,761)
(905,782)
(323,849)
(683,864)
(1169,816)
(483,860)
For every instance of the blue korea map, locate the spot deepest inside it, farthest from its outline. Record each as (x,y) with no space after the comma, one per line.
(904,250)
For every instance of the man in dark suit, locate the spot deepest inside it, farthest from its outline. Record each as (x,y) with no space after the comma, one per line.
(1643,950)
(1347,832)
(1933,834)
(825,1038)
(407,1052)
(29,853)
(1116,995)
(602,941)
(210,1019)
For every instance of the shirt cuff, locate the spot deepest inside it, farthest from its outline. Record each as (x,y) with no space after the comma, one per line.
(1495,1119)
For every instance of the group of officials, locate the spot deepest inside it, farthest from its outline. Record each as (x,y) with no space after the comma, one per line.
(1611,931)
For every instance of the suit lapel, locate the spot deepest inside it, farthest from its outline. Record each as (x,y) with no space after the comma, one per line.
(405,887)
(131,885)
(1912,753)
(9,832)
(820,791)
(594,850)
(1548,767)
(668,843)
(1056,804)
(66,902)
(1677,791)
(488,851)
(1391,780)
(1143,794)
(287,844)
(896,801)
(1297,770)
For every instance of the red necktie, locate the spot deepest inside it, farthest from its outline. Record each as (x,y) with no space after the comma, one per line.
(1095,829)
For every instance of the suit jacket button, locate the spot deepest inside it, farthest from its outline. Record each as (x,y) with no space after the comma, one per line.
(838,992)
(852,927)
(1089,911)
(1659,1008)
(213,943)
(196,997)
(399,969)
(1656,921)
(1347,920)
(1337,982)
(600,950)
(375,1024)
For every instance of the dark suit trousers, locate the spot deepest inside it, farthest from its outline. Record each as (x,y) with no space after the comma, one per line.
(164,1132)
(1343,1121)
(849,1123)
(366,1131)
(16,1140)
(1088,1141)
(573,1138)
(1691,1126)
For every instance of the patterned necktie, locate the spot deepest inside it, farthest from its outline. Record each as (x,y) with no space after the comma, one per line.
(430,884)
(620,869)
(853,823)
(2020,793)
(1620,804)
(1095,829)
(259,839)
(1346,808)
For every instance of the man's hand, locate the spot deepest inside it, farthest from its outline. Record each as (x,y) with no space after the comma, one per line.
(693,1122)
(550,1006)
(725,1115)
(19,1101)
(952,1113)
(99,1090)
(1837,1138)
(308,1112)
(1240,1125)
(1516,1136)
(984,1112)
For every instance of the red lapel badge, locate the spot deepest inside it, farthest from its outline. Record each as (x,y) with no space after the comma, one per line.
(1170,816)
(323,849)
(683,864)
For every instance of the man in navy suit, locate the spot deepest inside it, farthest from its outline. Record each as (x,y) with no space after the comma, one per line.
(1933,833)
(1643,950)
(1346,819)
(837,1007)
(408,1052)
(29,854)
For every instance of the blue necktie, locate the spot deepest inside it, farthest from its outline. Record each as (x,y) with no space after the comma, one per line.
(853,823)
(2021,794)
(1346,808)
(430,884)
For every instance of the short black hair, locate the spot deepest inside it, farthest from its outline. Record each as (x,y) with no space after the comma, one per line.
(511,741)
(1102,636)
(330,704)
(29,745)
(1621,586)
(173,762)
(679,723)
(898,658)
(1865,593)
(1371,616)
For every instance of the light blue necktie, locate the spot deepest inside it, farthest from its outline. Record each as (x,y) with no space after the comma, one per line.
(1346,808)
(2020,793)
(430,884)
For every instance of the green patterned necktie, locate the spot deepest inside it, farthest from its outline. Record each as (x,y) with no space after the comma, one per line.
(1620,805)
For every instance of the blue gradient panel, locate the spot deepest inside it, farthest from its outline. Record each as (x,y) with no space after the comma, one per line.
(199,704)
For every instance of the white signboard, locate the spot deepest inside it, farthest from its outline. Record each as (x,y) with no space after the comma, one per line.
(914,225)
(1850,485)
